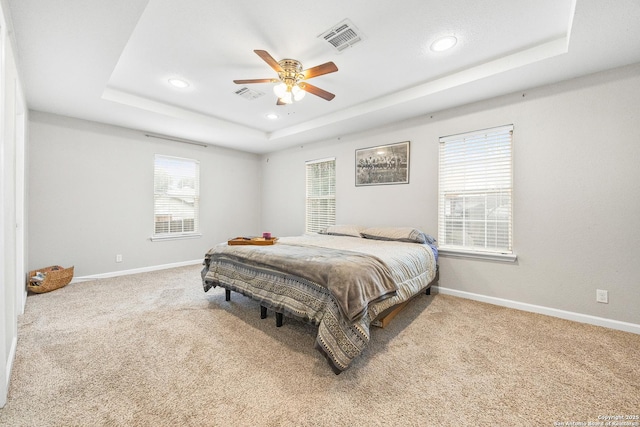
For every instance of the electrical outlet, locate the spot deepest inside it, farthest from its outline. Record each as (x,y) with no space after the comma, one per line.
(119,258)
(602,296)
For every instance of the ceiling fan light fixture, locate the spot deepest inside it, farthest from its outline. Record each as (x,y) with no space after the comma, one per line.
(444,43)
(288,94)
(280,90)
(298,93)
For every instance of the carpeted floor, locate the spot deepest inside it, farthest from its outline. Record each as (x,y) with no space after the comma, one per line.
(155,350)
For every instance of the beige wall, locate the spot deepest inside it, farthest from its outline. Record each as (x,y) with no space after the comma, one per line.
(576,193)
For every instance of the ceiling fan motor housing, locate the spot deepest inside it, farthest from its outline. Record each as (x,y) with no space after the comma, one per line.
(291,72)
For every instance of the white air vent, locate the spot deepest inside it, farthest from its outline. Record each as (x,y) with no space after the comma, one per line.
(248,94)
(342,35)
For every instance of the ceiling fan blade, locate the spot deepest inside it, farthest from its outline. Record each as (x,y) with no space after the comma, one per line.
(318,70)
(244,82)
(269,60)
(316,91)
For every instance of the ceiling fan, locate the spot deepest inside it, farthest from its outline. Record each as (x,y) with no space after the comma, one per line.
(291,77)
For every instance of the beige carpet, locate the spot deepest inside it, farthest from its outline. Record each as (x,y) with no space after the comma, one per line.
(155,350)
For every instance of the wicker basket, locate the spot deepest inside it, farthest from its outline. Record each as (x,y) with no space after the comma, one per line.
(56,277)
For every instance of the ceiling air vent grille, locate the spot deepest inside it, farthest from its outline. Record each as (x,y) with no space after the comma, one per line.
(248,94)
(342,35)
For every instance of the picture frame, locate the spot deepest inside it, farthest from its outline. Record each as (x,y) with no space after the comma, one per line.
(382,165)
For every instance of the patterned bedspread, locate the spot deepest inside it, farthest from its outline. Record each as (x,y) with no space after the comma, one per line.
(342,334)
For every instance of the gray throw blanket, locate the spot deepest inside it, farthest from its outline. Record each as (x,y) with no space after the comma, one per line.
(354,279)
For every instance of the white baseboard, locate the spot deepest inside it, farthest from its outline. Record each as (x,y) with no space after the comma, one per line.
(568,315)
(135,271)
(24,302)
(10,358)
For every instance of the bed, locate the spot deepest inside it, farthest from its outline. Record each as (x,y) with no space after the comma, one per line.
(342,280)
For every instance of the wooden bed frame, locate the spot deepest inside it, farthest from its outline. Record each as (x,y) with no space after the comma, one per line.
(385,317)
(381,321)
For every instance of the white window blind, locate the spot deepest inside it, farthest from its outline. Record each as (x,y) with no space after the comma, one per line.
(321,194)
(176,196)
(475,191)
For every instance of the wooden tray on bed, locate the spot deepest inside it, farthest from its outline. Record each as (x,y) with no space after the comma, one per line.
(261,241)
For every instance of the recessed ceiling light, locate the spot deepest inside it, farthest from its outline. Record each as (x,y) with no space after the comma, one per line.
(272,116)
(444,43)
(179,83)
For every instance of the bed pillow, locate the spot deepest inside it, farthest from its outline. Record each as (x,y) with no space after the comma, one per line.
(344,230)
(400,234)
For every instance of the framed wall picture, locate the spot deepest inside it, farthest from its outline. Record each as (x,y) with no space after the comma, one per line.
(385,164)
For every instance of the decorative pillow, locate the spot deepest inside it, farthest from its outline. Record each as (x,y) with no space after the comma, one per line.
(345,230)
(400,234)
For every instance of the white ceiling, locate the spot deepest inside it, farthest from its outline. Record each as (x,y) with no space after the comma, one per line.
(109,60)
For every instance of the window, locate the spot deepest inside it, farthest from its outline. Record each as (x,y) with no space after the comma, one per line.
(321,194)
(475,193)
(176,197)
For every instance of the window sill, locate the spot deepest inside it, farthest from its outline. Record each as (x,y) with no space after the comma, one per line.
(162,238)
(490,256)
